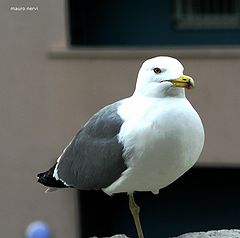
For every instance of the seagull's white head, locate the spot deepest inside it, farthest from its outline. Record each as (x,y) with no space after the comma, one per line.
(162,77)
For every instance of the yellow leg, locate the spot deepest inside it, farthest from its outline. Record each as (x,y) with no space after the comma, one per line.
(134,208)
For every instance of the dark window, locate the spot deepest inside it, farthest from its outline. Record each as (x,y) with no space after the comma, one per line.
(153,23)
(207,14)
(202,199)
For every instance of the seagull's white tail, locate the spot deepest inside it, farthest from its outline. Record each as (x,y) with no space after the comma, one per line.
(49,190)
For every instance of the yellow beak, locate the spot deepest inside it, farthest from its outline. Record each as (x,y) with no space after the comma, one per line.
(183,81)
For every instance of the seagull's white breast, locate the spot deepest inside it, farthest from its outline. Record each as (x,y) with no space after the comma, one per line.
(162,138)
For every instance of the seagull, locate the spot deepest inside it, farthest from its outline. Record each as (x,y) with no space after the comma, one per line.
(140,143)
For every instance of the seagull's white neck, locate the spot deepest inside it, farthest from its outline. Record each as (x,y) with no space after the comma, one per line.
(160,92)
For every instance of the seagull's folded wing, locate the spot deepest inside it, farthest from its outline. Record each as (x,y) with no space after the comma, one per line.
(93,160)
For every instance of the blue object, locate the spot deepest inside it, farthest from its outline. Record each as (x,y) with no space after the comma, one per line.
(38,229)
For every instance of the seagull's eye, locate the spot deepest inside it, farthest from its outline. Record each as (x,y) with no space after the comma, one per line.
(157,70)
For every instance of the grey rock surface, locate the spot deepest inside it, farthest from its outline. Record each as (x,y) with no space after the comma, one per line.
(213,234)
(209,234)
(116,236)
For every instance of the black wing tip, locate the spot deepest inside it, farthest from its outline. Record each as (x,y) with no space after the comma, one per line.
(47,179)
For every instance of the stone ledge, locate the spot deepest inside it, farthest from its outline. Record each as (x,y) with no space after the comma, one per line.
(213,234)
(209,234)
(143,52)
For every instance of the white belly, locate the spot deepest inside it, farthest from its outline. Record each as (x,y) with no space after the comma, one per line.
(162,141)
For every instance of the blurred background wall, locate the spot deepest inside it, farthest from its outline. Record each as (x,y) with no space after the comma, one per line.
(48,91)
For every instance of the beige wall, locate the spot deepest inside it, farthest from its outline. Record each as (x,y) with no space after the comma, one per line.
(30,139)
(44,100)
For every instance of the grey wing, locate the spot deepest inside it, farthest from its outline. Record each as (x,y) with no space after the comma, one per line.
(93,160)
